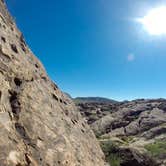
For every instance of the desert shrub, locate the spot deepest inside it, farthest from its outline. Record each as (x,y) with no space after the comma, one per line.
(111,153)
(114,160)
(157,148)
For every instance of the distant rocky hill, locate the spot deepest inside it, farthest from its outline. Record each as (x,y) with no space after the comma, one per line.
(39,125)
(93,100)
(132,133)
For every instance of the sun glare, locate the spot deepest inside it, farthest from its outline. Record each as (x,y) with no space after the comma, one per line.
(155,21)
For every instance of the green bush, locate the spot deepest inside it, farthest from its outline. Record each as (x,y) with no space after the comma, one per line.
(114,160)
(157,148)
(110,151)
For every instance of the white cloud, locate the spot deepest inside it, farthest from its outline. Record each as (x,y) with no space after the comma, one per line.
(131,57)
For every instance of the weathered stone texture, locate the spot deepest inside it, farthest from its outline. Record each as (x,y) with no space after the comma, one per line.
(39,125)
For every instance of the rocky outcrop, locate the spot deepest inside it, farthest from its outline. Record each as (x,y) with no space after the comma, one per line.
(93,111)
(137,128)
(39,125)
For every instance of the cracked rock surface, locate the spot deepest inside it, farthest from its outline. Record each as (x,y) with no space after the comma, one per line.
(39,125)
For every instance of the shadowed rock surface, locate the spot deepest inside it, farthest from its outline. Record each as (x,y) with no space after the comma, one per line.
(39,125)
(135,130)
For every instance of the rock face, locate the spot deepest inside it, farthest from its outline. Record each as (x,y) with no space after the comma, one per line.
(136,129)
(39,125)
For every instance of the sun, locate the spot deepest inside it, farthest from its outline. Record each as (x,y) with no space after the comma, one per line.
(155,21)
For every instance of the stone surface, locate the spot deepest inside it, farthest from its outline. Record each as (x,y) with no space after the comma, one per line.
(39,125)
(137,128)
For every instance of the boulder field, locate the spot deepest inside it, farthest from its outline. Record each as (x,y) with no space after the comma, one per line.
(132,133)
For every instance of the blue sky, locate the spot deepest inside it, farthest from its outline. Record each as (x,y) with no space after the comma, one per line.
(95,47)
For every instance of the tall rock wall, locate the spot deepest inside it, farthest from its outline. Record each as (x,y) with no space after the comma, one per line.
(39,125)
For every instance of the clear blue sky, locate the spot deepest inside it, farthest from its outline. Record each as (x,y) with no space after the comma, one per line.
(95,47)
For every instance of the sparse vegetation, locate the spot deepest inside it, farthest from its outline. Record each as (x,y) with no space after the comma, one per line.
(127,139)
(156,149)
(110,151)
(114,160)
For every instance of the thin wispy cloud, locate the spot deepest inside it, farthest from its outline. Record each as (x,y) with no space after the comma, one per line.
(130,57)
